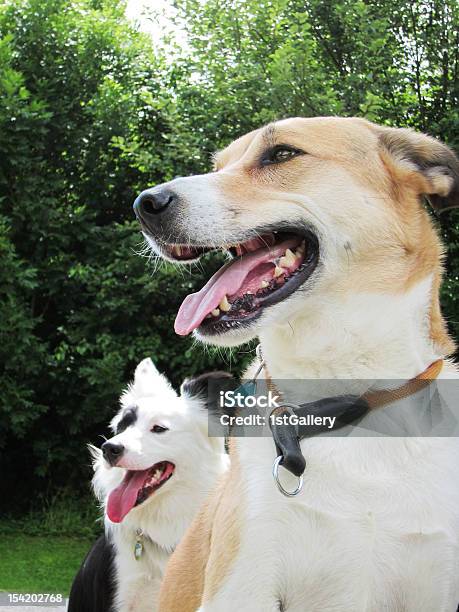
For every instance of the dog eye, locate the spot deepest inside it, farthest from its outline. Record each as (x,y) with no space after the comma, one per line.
(158,429)
(279,154)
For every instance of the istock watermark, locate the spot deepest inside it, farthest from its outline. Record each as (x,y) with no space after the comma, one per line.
(246,409)
(237,399)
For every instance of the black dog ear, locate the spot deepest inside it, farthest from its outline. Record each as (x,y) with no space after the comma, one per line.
(423,162)
(207,387)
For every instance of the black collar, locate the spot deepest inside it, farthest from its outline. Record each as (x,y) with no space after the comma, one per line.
(346,409)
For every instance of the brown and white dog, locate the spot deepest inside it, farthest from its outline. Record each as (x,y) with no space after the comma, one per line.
(337,270)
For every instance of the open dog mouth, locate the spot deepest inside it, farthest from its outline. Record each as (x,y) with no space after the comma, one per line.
(137,486)
(263,271)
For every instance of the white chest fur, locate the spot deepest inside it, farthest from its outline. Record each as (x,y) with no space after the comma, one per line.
(376,526)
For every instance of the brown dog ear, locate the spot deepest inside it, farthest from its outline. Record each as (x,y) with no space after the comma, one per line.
(424,162)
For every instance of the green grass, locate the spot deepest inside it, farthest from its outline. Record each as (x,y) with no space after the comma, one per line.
(41,550)
(40,564)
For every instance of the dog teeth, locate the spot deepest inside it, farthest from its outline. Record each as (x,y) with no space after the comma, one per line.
(278,271)
(178,251)
(288,260)
(156,476)
(300,250)
(224,304)
(264,284)
(215,312)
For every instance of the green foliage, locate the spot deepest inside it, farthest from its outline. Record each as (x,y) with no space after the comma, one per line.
(394,61)
(91,112)
(82,101)
(65,513)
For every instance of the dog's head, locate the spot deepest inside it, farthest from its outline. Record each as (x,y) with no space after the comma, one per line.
(160,443)
(304,207)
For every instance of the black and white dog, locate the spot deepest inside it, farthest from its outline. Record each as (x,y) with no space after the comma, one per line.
(151,478)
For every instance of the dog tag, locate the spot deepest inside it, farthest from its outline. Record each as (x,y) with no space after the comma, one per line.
(138,547)
(247,389)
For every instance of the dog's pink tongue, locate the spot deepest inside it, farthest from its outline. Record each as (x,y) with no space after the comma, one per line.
(227,281)
(122,499)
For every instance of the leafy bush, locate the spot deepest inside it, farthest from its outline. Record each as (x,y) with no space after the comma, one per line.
(81,104)
(66,513)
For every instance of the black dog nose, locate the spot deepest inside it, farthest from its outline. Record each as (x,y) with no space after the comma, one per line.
(151,203)
(112,452)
